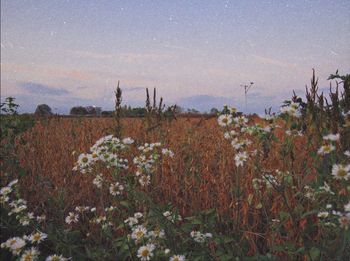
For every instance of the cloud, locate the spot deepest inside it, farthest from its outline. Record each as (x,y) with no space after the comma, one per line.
(93,55)
(128,57)
(133,89)
(36,88)
(273,61)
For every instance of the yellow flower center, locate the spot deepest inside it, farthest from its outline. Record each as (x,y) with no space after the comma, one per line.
(85,159)
(145,253)
(28,257)
(342,173)
(139,234)
(36,237)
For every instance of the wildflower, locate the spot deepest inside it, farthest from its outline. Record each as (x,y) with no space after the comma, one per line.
(326,188)
(4,199)
(93,209)
(240,158)
(145,180)
(131,221)
(332,137)
(347,207)
(177,258)
(146,252)
(5,191)
(138,215)
(81,209)
(328,206)
(56,258)
(233,110)
(14,244)
(323,214)
(98,181)
(347,153)
(157,233)
(37,237)
(292,109)
(199,237)
(139,232)
(13,182)
(166,251)
(241,120)
(224,120)
(84,160)
(340,171)
(30,254)
(344,222)
(116,189)
(72,218)
(325,149)
(167,152)
(128,141)
(41,218)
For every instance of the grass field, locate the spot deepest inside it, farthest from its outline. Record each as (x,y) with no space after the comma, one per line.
(220,188)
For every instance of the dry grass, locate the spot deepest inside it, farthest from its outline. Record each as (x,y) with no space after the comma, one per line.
(200,176)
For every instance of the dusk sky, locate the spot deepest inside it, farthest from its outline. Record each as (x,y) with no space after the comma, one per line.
(197,53)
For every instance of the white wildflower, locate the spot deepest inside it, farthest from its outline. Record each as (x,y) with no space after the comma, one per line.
(30,254)
(323,214)
(325,149)
(72,218)
(332,137)
(240,158)
(37,237)
(56,258)
(340,171)
(177,258)
(146,252)
(138,232)
(98,181)
(224,120)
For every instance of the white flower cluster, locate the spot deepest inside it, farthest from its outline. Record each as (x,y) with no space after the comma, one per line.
(172,217)
(116,189)
(17,246)
(17,207)
(328,148)
(150,153)
(293,109)
(238,135)
(200,237)
(107,149)
(271,181)
(149,238)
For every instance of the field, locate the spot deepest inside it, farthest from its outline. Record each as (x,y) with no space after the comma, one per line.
(220,188)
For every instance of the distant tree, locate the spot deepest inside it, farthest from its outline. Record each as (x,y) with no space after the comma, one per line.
(193,111)
(43,110)
(214,111)
(107,113)
(78,110)
(179,109)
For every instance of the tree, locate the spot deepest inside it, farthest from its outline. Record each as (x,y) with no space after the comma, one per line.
(78,110)
(43,110)
(214,111)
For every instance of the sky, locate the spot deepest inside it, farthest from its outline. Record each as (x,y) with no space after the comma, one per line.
(197,54)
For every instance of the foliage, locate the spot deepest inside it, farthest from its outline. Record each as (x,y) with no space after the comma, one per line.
(253,188)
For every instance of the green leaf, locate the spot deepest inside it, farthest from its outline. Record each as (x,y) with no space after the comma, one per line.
(314,253)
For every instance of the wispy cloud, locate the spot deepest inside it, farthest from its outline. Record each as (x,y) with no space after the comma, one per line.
(274,61)
(129,57)
(38,88)
(93,55)
(133,89)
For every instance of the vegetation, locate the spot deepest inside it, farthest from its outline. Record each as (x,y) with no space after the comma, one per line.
(168,188)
